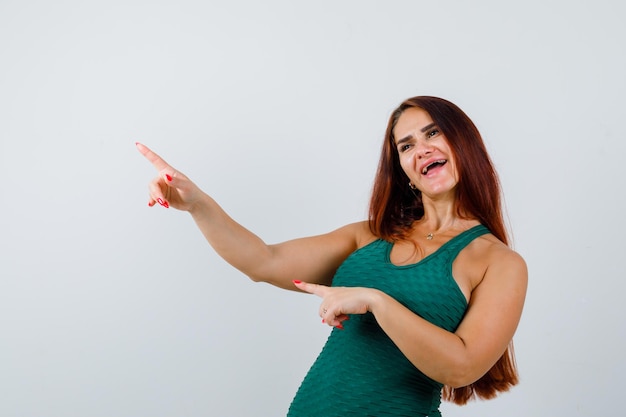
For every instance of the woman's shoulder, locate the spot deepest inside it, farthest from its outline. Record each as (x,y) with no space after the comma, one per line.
(494,255)
(360,232)
(495,251)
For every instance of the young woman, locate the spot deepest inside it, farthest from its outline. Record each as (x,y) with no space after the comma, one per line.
(431,289)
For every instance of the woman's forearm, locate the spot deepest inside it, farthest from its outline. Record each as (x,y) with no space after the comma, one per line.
(237,245)
(438,353)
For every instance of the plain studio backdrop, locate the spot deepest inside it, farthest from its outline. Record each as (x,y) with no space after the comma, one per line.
(277,109)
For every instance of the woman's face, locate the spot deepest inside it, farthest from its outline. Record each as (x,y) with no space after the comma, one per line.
(424,153)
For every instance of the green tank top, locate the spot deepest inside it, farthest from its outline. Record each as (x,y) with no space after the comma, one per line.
(360,371)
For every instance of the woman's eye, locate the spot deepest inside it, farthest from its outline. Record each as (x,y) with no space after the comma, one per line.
(404,147)
(432,133)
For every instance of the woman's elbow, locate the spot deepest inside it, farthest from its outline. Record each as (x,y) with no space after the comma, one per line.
(461,375)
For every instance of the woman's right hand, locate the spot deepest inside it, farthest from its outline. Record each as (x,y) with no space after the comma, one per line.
(170,188)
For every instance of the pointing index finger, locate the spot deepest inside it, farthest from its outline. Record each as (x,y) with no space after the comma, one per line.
(154,159)
(316,289)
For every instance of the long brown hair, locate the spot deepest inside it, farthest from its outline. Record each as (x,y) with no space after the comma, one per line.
(394,207)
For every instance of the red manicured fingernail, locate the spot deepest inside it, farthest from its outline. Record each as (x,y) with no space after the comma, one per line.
(163,203)
(169,177)
(297,281)
(340,326)
(323,321)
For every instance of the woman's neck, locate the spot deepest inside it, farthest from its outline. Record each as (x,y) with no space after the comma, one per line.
(442,217)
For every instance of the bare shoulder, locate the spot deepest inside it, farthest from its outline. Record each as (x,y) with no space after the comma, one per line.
(491,251)
(363,233)
(506,264)
(500,255)
(358,233)
(487,256)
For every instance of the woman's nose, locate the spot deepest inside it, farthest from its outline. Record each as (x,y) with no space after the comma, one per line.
(423,149)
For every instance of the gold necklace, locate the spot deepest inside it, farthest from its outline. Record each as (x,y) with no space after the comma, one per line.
(431,235)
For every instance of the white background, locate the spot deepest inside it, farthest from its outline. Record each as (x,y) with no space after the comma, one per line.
(277,109)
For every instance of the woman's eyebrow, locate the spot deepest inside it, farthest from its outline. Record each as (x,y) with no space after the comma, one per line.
(404,139)
(428,127)
(409,137)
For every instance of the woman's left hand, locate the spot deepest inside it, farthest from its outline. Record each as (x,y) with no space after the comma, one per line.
(339,302)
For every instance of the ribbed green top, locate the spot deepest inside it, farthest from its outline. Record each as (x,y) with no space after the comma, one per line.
(360,371)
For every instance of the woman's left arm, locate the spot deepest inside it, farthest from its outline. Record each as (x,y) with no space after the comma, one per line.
(454,359)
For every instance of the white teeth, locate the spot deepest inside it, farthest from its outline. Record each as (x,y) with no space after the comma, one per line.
(426,168)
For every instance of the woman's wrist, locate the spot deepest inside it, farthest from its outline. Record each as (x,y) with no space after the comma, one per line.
(377,301)
(200,205)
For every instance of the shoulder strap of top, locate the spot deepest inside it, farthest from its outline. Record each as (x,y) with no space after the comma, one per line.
(457,243)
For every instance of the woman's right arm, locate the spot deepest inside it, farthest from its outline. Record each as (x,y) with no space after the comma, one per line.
(312,259)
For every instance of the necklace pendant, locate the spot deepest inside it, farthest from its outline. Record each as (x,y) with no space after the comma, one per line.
(430,236)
